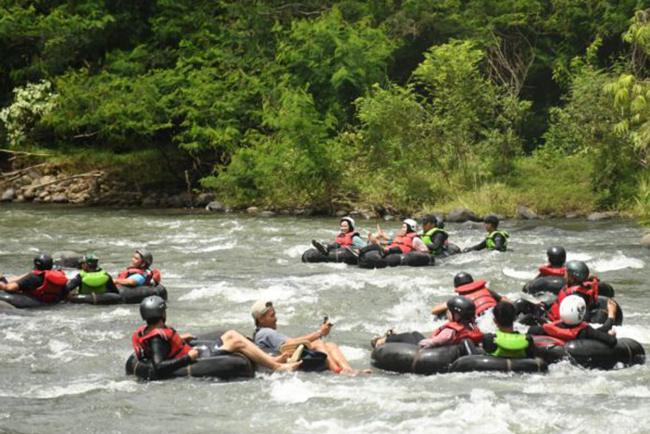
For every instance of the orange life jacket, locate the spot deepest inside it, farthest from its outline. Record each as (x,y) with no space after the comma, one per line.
(140,339)
(345,239)
(150,276)
(548,270)
(564,334)
(51,291)
(470,331)
(479,294)
(405,242)
(588,290)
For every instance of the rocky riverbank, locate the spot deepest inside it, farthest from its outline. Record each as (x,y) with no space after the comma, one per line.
(50,184)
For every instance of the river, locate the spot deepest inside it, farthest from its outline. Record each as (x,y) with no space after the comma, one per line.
(62,368)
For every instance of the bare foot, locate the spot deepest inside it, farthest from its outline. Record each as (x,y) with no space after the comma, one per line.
(282,358)
(288,366)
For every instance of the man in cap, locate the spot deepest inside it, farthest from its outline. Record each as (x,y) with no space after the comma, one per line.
(168,350)
(496,239)
(270,340)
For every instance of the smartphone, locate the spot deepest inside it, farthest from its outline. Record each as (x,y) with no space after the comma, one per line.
(326,320)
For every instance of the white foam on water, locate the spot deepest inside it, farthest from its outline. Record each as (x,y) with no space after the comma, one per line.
(635,391)
(81,388)
(616,262)
(578,256)
(293,391)
(636,332)
(118,312)
(519,274)
(206,292)
(216,248)
(296,251)
(61,350)
(355,353)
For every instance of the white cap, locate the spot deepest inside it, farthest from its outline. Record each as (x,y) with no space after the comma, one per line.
(260,308)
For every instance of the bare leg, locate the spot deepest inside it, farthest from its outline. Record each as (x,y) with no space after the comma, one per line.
(236,343)
(334,351)
(331,363)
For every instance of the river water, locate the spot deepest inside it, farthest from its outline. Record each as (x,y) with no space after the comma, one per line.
(62,368)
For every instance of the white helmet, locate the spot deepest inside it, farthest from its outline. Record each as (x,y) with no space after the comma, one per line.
(350,221)
(572,309)
(412,224)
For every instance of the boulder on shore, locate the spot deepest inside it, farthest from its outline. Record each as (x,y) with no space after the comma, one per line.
(461,215)
(598,216)
(526,213)
(8,195)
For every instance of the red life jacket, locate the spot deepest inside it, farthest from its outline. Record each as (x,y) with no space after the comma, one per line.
(548,270)
(150,276)
(471,331)
(479,294)
(178,349)
(564,334)
(345,239)
(588,289)
(52,288)
(405,242)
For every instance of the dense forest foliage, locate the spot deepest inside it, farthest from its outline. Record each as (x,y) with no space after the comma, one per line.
(401,104)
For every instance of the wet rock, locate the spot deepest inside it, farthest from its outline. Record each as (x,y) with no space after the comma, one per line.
(204,199)
(67,258)
(20,198)
(267,214)
(180,200)
(341,213)
(526,213)
(572,215)
(59,198)
(389,218)
(599,216)
(460,215)
(473,225)
(8,195)
(253,210)
(215,206)
(150,201)
(645,241)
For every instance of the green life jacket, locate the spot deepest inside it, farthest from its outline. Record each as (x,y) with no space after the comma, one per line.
(427,237)
(489,242)
(510,344)
(94,281)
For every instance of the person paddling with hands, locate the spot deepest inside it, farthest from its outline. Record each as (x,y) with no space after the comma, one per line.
(270,340)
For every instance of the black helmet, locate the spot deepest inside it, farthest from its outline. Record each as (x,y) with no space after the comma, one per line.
(463,306)
(492,219)
(43,262)
(430,219)
(462,278)
(146,256)
(556,256)
(578,270)
(152,308)
(91,260)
